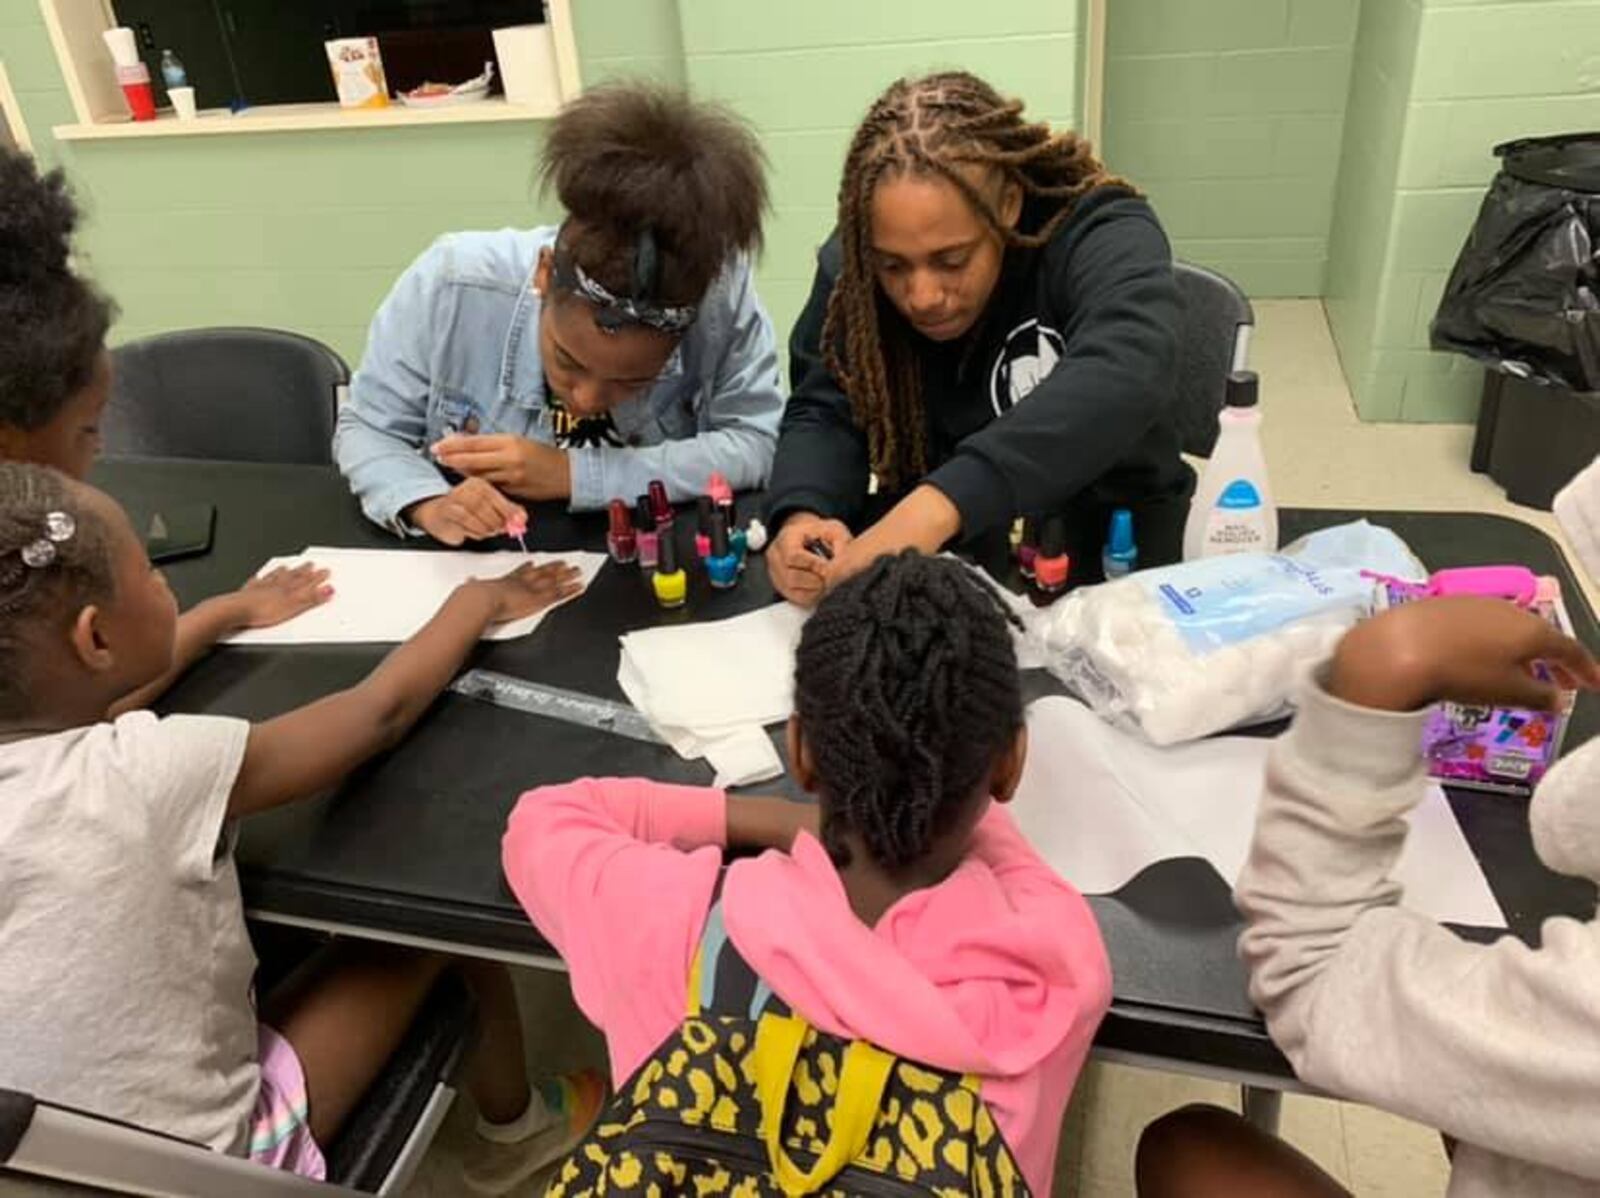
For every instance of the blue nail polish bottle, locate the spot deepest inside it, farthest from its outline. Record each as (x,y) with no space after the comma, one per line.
(738,539)
(722,563)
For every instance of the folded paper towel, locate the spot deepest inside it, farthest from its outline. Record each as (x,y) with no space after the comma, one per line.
(710,689)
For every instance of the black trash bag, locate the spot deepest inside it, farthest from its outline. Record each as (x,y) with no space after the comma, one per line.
(1525,292)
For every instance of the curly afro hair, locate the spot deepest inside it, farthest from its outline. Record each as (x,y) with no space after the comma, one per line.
(629,157)
(53,323)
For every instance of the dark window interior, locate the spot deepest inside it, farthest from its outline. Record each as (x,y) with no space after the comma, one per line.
(270,51)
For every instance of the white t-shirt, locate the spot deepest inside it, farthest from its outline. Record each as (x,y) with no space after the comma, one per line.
(125,969)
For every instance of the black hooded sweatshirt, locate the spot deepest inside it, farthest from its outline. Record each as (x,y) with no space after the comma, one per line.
(1059,401)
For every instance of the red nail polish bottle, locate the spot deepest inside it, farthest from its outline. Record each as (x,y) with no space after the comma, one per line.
(660,505)
(644,525)
(620,540)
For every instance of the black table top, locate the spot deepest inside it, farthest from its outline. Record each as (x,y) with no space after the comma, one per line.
(410,845)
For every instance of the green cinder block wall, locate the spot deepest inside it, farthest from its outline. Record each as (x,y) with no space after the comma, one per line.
(1437,84)
(1230,115)
(308,230)
(805,74)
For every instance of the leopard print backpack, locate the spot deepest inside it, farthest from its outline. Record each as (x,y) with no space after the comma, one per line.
(747,1099)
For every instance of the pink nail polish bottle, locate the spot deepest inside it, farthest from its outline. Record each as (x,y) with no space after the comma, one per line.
(702,532)
(1028,548)
(721,495)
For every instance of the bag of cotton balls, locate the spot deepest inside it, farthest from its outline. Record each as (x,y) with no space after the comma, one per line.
(1185,651)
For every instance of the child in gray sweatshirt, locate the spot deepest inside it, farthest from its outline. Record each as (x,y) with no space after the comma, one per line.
(1497,1045)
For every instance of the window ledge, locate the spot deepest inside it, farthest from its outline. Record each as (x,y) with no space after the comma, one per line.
(293,118)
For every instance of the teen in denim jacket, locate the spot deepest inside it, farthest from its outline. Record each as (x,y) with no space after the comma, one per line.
(583,360)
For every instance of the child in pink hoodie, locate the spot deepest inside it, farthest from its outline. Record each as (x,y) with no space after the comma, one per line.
(904,909)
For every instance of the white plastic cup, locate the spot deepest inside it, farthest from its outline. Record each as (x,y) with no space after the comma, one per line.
(527,57)
(124,48)
(182,102)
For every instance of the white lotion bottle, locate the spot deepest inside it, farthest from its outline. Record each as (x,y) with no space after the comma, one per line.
(1232,510)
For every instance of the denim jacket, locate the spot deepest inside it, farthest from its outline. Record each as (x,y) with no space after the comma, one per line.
(457,339)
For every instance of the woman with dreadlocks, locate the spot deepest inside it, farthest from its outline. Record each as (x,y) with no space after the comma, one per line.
(579,361)
(980,259)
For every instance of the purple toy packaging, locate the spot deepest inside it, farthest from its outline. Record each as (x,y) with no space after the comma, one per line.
(1504,749)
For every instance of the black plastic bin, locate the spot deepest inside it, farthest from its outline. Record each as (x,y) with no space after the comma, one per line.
(1524,299)
(1533,437)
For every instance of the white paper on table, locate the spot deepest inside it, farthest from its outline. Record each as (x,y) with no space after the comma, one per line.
(383,595)
(1100,805)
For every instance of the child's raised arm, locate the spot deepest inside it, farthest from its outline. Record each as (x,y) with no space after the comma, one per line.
(1497,1044)
(313,747)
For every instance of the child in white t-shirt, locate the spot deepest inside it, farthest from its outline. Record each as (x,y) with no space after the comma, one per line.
(125,971)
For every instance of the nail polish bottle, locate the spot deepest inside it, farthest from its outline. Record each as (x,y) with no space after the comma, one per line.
(722,563)
(620,540)
(1028,547)
(703,509)
(1051,566)
(721,495)
(738,541)
(660,505)
(670,583)
(644,525)
(1121,556)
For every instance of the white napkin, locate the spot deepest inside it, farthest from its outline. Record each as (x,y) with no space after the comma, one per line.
(709,690)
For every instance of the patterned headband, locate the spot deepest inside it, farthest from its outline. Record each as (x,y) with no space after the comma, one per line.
(617,311)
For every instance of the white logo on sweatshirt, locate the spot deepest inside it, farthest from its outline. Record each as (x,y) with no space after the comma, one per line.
(1029,354)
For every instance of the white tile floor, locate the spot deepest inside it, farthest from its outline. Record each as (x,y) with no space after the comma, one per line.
(1320,455)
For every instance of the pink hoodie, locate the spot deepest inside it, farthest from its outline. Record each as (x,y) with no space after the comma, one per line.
(999,970)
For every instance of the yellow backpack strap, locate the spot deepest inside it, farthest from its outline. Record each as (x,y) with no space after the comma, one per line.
(862,1080)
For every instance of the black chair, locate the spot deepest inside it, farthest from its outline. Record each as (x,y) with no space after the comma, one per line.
(53,1149)
(1217,321)
(243,395)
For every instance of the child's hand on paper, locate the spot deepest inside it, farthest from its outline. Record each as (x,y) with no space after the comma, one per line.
(516,465)
(530,589)
(474,511)
(1464,649)
(281,595)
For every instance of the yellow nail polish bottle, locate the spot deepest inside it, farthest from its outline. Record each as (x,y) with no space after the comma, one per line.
(670,582)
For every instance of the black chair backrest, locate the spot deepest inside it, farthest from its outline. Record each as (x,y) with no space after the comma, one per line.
(243,395)
(1217,318)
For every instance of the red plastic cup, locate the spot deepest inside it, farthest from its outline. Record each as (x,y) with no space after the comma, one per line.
(135,82)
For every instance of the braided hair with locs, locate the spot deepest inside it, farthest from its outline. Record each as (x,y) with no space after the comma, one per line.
(78,572)
(907,692)
(931,126)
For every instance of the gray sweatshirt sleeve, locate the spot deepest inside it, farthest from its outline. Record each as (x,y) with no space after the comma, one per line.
(1498,1045)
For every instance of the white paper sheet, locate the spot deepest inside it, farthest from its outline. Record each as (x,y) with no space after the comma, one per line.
(1100,805)
(384,595)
